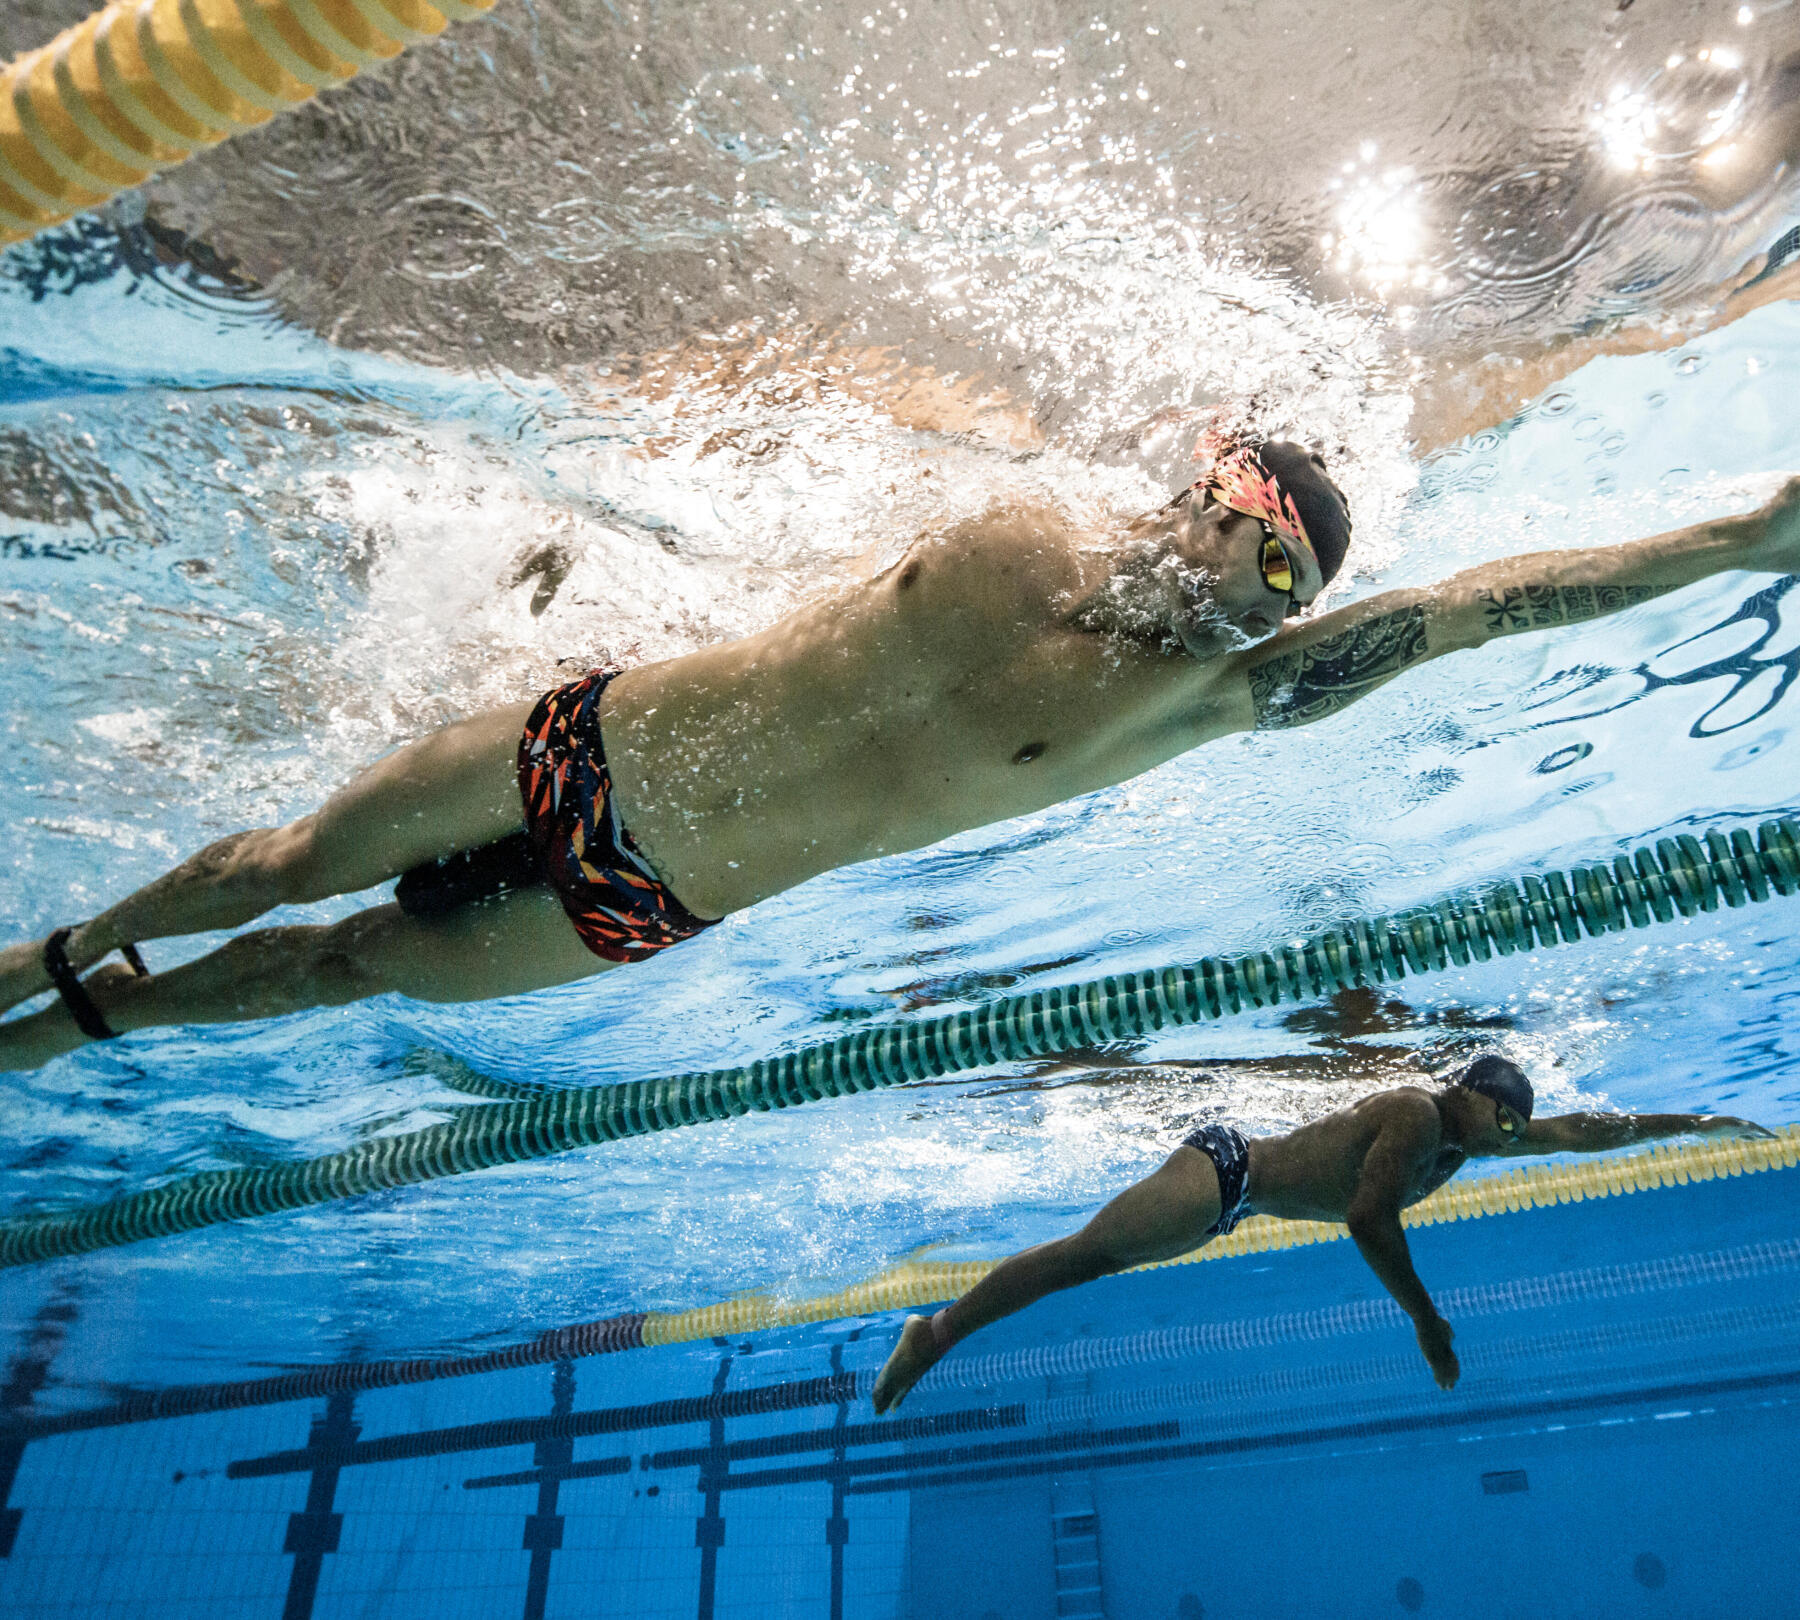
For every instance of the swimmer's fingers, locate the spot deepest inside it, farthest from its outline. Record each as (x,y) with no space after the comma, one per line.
(1743,1130)
(912,1358)
(1434,1335)
(1767,284)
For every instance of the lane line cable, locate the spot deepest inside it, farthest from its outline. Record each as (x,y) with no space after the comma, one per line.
(145,84)
(1757,1263)
(1680,876)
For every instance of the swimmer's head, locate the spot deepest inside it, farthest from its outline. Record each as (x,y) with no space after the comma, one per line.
(1255,541)
(1300,474)
(1503,1083)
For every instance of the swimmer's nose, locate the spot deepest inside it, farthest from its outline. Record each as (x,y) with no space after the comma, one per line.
(1257,622)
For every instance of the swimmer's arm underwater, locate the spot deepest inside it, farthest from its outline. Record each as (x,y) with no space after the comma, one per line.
(1398,1161)
(1317,669)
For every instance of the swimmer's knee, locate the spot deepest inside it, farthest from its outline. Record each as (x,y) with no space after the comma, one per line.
(1088,1261)
(340,970)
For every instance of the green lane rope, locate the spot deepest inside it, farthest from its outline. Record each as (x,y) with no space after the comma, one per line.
(1681,876)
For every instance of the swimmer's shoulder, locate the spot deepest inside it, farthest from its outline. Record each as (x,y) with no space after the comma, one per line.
(1401,1105)
(1411,1112)
(1007,550)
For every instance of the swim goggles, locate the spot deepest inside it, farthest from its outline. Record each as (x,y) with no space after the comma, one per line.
(1503,1119)
(1239,480)
(1277,566)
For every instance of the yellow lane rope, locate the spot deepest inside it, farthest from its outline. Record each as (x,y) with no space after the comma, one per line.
(144,84)
(1528,1187)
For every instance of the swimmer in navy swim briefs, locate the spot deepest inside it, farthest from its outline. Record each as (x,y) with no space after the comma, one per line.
(1361,1165)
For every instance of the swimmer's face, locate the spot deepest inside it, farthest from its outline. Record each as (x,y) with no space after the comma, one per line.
(1483,1124)
(1219,599)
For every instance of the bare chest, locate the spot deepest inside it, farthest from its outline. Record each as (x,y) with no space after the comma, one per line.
(866,730)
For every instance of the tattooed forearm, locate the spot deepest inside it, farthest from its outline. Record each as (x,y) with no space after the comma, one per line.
(1540,607)
(1293,688)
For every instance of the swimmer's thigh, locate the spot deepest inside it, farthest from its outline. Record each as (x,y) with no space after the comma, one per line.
(455,789)
(521,941)
(1164,1215)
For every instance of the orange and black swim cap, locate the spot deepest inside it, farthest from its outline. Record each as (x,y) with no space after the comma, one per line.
(1284,485)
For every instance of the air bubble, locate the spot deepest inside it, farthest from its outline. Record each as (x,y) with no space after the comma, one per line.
(1745,752)
(1563,758)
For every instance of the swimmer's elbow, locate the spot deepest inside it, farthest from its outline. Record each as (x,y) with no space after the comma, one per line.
(1373,1220)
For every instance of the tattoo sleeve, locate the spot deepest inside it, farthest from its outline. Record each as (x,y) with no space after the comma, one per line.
(1540,607)
(1294,688)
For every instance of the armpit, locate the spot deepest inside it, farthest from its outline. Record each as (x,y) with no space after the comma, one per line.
(1291,689)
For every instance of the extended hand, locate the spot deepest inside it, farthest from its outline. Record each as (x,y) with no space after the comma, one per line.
(913,1357)
(1733,1129)
(1776,547)
(1435,1335)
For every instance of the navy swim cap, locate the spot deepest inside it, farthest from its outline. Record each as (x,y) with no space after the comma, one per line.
(1320,503)
(1501,1079)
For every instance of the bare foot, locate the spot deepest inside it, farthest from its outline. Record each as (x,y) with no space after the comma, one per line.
(913,1357)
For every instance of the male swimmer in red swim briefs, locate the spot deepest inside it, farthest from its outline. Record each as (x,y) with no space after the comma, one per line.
(1006,665)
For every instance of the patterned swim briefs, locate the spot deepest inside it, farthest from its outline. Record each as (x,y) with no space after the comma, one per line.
(1230,1153)
(621,909)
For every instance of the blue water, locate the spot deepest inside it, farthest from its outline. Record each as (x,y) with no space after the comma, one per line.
(1245,1437)
(459,422)
(189,721)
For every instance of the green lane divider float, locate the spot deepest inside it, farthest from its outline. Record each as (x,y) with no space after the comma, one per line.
(1680,876)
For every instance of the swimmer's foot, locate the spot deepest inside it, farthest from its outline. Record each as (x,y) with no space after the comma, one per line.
(913,1357)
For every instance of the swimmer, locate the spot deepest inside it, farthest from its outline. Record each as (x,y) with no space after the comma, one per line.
(1361,1165)
(1005,665)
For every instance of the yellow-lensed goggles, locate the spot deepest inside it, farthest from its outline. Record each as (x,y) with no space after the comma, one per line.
(1277,565)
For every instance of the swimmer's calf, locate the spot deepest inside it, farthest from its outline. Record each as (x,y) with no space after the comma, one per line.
(1361,1166)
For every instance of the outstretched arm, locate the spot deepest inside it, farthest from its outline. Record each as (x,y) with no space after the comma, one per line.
(1600,1133)
(1319,668)
(1395,1164)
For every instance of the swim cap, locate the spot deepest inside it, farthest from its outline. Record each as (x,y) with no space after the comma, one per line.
(1284,485)
(1301,474)
(1501,1079)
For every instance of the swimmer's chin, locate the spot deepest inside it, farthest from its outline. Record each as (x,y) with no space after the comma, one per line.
(1217,638)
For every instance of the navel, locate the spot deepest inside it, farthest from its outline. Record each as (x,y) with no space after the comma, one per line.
(1028,753)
